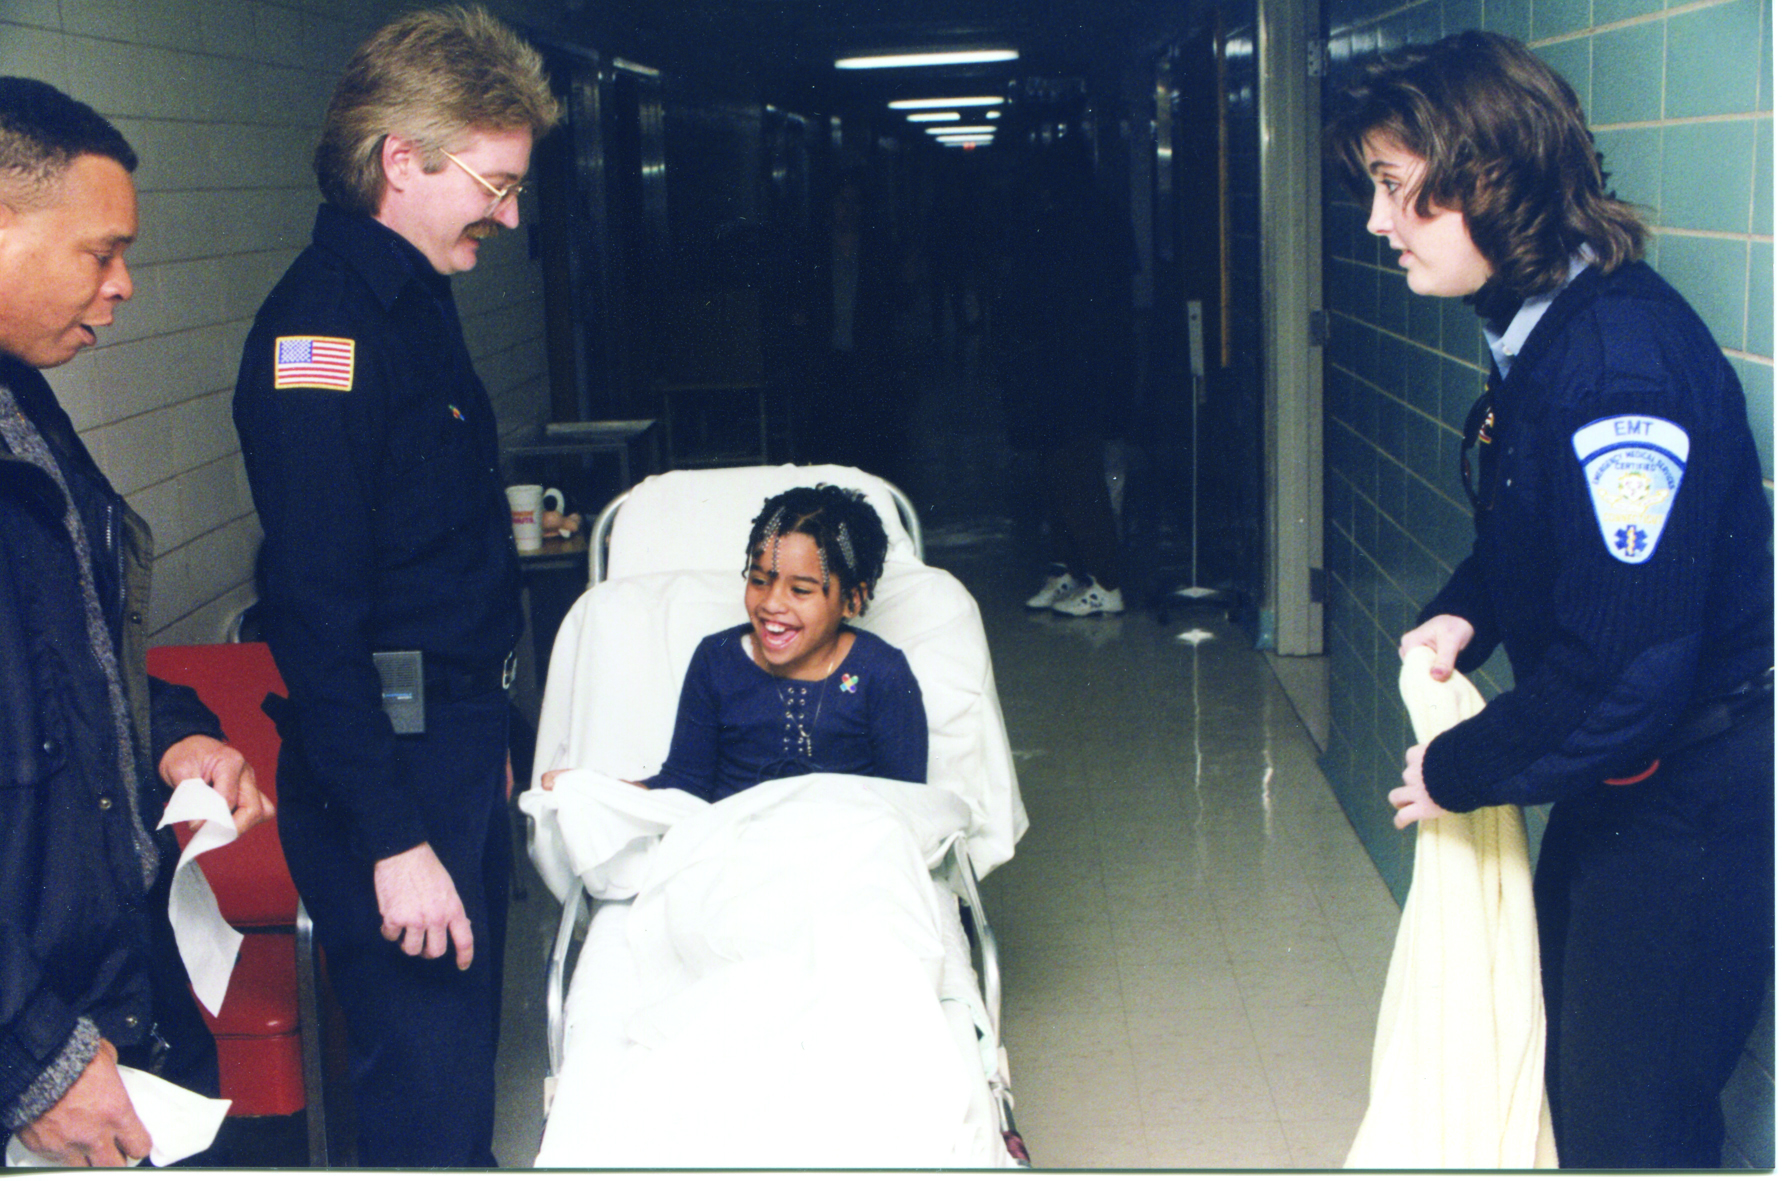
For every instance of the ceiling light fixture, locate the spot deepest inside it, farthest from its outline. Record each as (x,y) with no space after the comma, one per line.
(962,129)
(930,104)
(950,57)
(933,117)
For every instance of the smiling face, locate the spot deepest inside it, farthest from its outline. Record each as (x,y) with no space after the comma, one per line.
(797,623)
(445,214)
(1437,251)
(62,270)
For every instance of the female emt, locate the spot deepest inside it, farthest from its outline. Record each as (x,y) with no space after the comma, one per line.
(1622,558)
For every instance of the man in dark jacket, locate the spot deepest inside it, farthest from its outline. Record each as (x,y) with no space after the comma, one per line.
(89,976)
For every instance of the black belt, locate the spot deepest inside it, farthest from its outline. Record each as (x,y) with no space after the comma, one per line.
(1709,719)
(453,683)
(1718,715)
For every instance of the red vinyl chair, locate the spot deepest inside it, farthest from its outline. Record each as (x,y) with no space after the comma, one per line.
(269,1034)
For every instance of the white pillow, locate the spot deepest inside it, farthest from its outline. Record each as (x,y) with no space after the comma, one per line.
(699,520)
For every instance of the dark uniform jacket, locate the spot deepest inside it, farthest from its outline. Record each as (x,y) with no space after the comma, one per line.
(375,470)
(74,932)
(1616,621)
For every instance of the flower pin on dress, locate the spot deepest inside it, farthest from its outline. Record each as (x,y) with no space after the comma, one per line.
(849,682)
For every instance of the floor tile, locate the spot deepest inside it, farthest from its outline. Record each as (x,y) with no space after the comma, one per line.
(1220,1144)
(1159,1038)
(1317,1059)
(1195,1092)
(1168,939)
(1089,1142)
(1319,1143)
(1057,1086)
(1160,988)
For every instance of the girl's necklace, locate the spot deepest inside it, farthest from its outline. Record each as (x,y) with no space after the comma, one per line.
(787,694)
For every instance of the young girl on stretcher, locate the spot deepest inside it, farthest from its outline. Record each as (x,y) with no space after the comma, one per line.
(795,689)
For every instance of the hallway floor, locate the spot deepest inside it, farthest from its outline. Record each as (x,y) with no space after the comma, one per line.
(1193,940)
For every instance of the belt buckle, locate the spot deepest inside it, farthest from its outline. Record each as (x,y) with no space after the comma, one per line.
(509,667)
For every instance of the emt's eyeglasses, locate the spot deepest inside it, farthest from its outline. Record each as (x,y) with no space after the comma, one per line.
(496,196)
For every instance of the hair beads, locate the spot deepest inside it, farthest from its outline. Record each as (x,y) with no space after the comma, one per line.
(849,538)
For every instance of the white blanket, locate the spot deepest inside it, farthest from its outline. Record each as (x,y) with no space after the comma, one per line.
(1458,1054)
(788,952)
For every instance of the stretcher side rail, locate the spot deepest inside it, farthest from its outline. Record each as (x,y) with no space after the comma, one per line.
(573,923)
(956,871)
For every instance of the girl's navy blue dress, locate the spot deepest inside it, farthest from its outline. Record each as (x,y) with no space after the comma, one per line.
(739,725)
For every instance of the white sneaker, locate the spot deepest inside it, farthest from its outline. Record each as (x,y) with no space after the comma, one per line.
(1058,587)
(1093,599)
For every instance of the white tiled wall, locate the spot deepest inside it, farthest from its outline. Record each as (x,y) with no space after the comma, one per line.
(222,100)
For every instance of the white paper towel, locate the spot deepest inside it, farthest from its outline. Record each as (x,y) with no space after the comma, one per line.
(207,943)
(179,1122)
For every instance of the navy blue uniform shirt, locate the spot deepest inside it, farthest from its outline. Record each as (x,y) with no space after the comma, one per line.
(371,450)
(1622,555)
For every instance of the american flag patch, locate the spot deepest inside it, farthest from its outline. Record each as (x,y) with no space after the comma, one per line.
(315,362)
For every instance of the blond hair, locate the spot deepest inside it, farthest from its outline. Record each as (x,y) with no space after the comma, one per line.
(429,77)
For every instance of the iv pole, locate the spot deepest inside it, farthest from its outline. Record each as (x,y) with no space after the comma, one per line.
(1197,363)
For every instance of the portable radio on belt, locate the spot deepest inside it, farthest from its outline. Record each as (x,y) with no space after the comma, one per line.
(1481,420)
(404,690)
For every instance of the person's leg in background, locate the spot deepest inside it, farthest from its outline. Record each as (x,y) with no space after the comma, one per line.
(1081,516)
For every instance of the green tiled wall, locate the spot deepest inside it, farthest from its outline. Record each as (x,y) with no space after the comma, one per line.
(1679,97)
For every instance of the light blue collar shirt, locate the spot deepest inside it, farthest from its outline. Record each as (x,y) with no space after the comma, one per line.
(1505,347)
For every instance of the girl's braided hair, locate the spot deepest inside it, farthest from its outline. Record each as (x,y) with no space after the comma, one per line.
(850,539)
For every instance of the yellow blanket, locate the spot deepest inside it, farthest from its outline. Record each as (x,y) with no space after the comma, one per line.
(1457,1070)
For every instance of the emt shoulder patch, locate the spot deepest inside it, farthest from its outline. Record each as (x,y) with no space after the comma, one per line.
(1634,467)
(312,362)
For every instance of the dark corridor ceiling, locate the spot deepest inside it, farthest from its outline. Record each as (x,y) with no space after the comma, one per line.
(783,50)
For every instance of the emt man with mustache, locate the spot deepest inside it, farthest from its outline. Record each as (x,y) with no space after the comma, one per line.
(371,450)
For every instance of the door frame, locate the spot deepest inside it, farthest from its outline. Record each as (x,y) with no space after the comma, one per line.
(1290,56)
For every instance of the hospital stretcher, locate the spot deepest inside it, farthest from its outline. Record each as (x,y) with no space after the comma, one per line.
(768,981)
